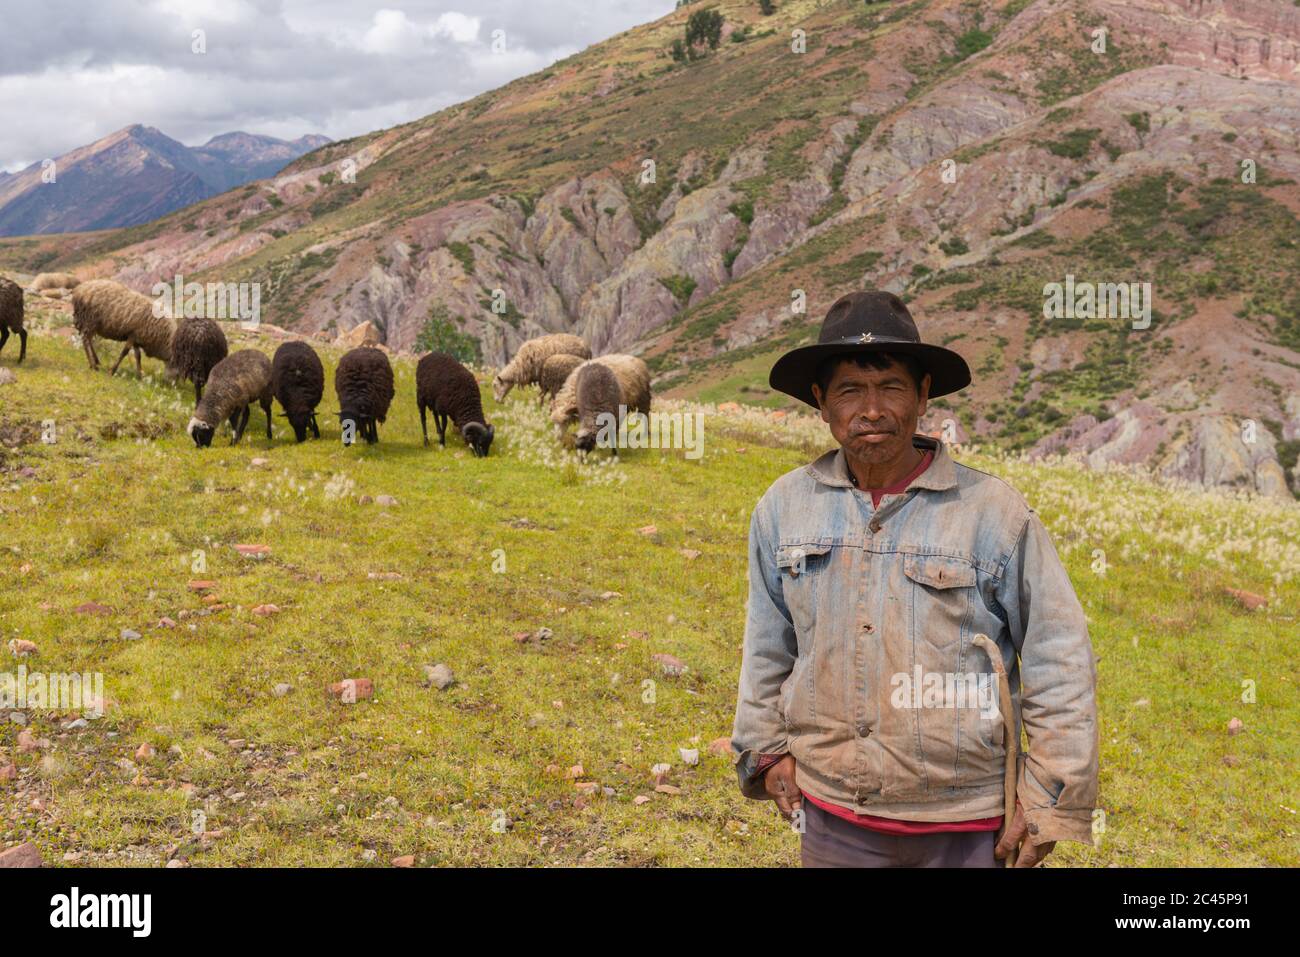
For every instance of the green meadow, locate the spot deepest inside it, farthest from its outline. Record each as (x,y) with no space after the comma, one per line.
(547,585)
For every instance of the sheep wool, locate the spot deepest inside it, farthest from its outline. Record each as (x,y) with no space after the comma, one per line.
(11,315)
(526,367)
(363,382)
(102,307)
(633,379)
(54,280)
(555,370)
(448,389)
(599,395)
(298,382)
(197,346)
(236,382)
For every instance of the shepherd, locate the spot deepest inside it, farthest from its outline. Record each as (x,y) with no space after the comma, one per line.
(886,557)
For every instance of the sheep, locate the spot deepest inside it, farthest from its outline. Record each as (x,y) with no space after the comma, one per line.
(298,382)
(364,384)
(447,388)
(54,280)
(197,346)
(101,307)
(236,382)
(555,370)
(11,315)
(599,395)
(633,379)
(526,367)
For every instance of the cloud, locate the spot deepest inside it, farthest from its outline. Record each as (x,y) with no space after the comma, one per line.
(77,72)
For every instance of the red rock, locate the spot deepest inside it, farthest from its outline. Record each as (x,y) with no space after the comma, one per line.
(720,746)
(144,752)
(641,799)
(8,772)
(406,860)
(24,855)
(671,665)
(1235,726)
(21,647)
(667,789)
(27,741)
(648,530)
(1248,600)
(266,610)
(351,690)
(165,622)
(690,554)
(198,584)
(92,608)
(254,551)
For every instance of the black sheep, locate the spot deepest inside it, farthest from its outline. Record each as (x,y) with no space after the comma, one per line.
(599,397)
(447,388)
(298,382)
(11,315)
(364,384)
(198,344)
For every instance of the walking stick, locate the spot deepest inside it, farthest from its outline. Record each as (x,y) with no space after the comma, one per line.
(1009,737)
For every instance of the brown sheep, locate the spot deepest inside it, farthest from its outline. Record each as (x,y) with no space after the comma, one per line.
(236,382)
(526,367)
(11,315)
(101,307)
(555,370)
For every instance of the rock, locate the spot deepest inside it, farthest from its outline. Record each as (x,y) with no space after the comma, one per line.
(254,551)
(406,860)
(18,718)
(690,554)
(21,647)
(385,500)
(607,595)
(1231,760)
(8,772)
(1235,726)
(27,741)
(362,334)
(384,576)
(641,799)
(257,463)
(92,608)
(265,610)
(648,530)
(720,746)
(7,377)
(352,690)
(1248,600)
(281,689)
(165,622)
(24,855)
(130,634)
(76,724)
(671,665)
(364,500)
(689,755)
(197,584)
(667,789)
(440,676)
(729,407)
(145,752)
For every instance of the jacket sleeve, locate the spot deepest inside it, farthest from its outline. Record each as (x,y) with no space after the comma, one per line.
(769,653)
(1058,675)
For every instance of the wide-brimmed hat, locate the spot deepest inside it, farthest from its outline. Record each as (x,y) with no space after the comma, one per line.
(867,322)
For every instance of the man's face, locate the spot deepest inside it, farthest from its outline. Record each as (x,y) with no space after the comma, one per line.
(872,412)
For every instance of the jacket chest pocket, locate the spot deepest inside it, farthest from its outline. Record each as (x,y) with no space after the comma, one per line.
(943,597)
(802,566)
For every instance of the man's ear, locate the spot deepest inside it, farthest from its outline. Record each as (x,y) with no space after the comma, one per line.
(821,403)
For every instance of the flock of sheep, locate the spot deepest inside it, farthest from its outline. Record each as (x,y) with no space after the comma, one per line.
(227,385)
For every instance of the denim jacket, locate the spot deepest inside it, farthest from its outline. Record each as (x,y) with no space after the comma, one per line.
(852,609)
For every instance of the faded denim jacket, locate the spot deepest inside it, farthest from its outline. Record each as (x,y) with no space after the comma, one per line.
(849,603)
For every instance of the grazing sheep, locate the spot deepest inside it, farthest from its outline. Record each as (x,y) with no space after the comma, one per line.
(447,388)
(298,382)
(11,315)
(54,280)
(526,367)
(236,382)
(599,395)
(101,307)
(197,346)
(364,384)
(633,379)
(555,370)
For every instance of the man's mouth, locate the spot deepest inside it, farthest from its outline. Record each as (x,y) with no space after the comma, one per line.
(873,437)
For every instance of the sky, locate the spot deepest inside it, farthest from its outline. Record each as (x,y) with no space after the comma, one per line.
(73,71)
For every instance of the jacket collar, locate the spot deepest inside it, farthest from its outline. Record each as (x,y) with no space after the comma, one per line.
(831,469)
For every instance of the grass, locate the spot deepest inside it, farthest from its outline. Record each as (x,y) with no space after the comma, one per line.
(310,780)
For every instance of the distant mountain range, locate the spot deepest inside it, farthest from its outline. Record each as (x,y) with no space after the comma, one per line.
(136,175)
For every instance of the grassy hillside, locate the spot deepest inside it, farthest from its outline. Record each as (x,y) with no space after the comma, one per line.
(115,512)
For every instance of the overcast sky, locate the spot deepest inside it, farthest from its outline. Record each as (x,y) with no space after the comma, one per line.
(72,71)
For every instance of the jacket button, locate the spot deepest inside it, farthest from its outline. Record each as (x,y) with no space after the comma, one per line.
(1033,828)
(874,526)
(869,628)
(862,731)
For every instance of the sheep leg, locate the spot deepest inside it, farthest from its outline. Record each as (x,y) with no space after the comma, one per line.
(424,425)
(243,423)
(266,407)
(4,337)
(198,391)
(315,429)
(125,349)
(22,350)
(139,373)
(441,422)
(88,346)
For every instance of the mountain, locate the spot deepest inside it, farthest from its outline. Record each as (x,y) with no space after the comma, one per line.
(964,155)
(136,175)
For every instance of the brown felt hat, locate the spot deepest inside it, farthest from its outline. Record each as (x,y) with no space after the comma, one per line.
(867,322)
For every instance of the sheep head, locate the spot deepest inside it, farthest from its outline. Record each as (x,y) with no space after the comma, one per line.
(500,387)
(479,438)
(200,432)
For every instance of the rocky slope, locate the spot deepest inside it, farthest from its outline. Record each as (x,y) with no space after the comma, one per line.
(136,175)
(964,155)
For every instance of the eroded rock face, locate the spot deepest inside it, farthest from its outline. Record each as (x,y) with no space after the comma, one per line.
(1212,451)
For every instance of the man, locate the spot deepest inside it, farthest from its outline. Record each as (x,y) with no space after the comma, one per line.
(868,702)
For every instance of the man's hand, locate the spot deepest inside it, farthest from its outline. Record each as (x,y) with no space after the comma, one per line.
(1030,853)
(778,781)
